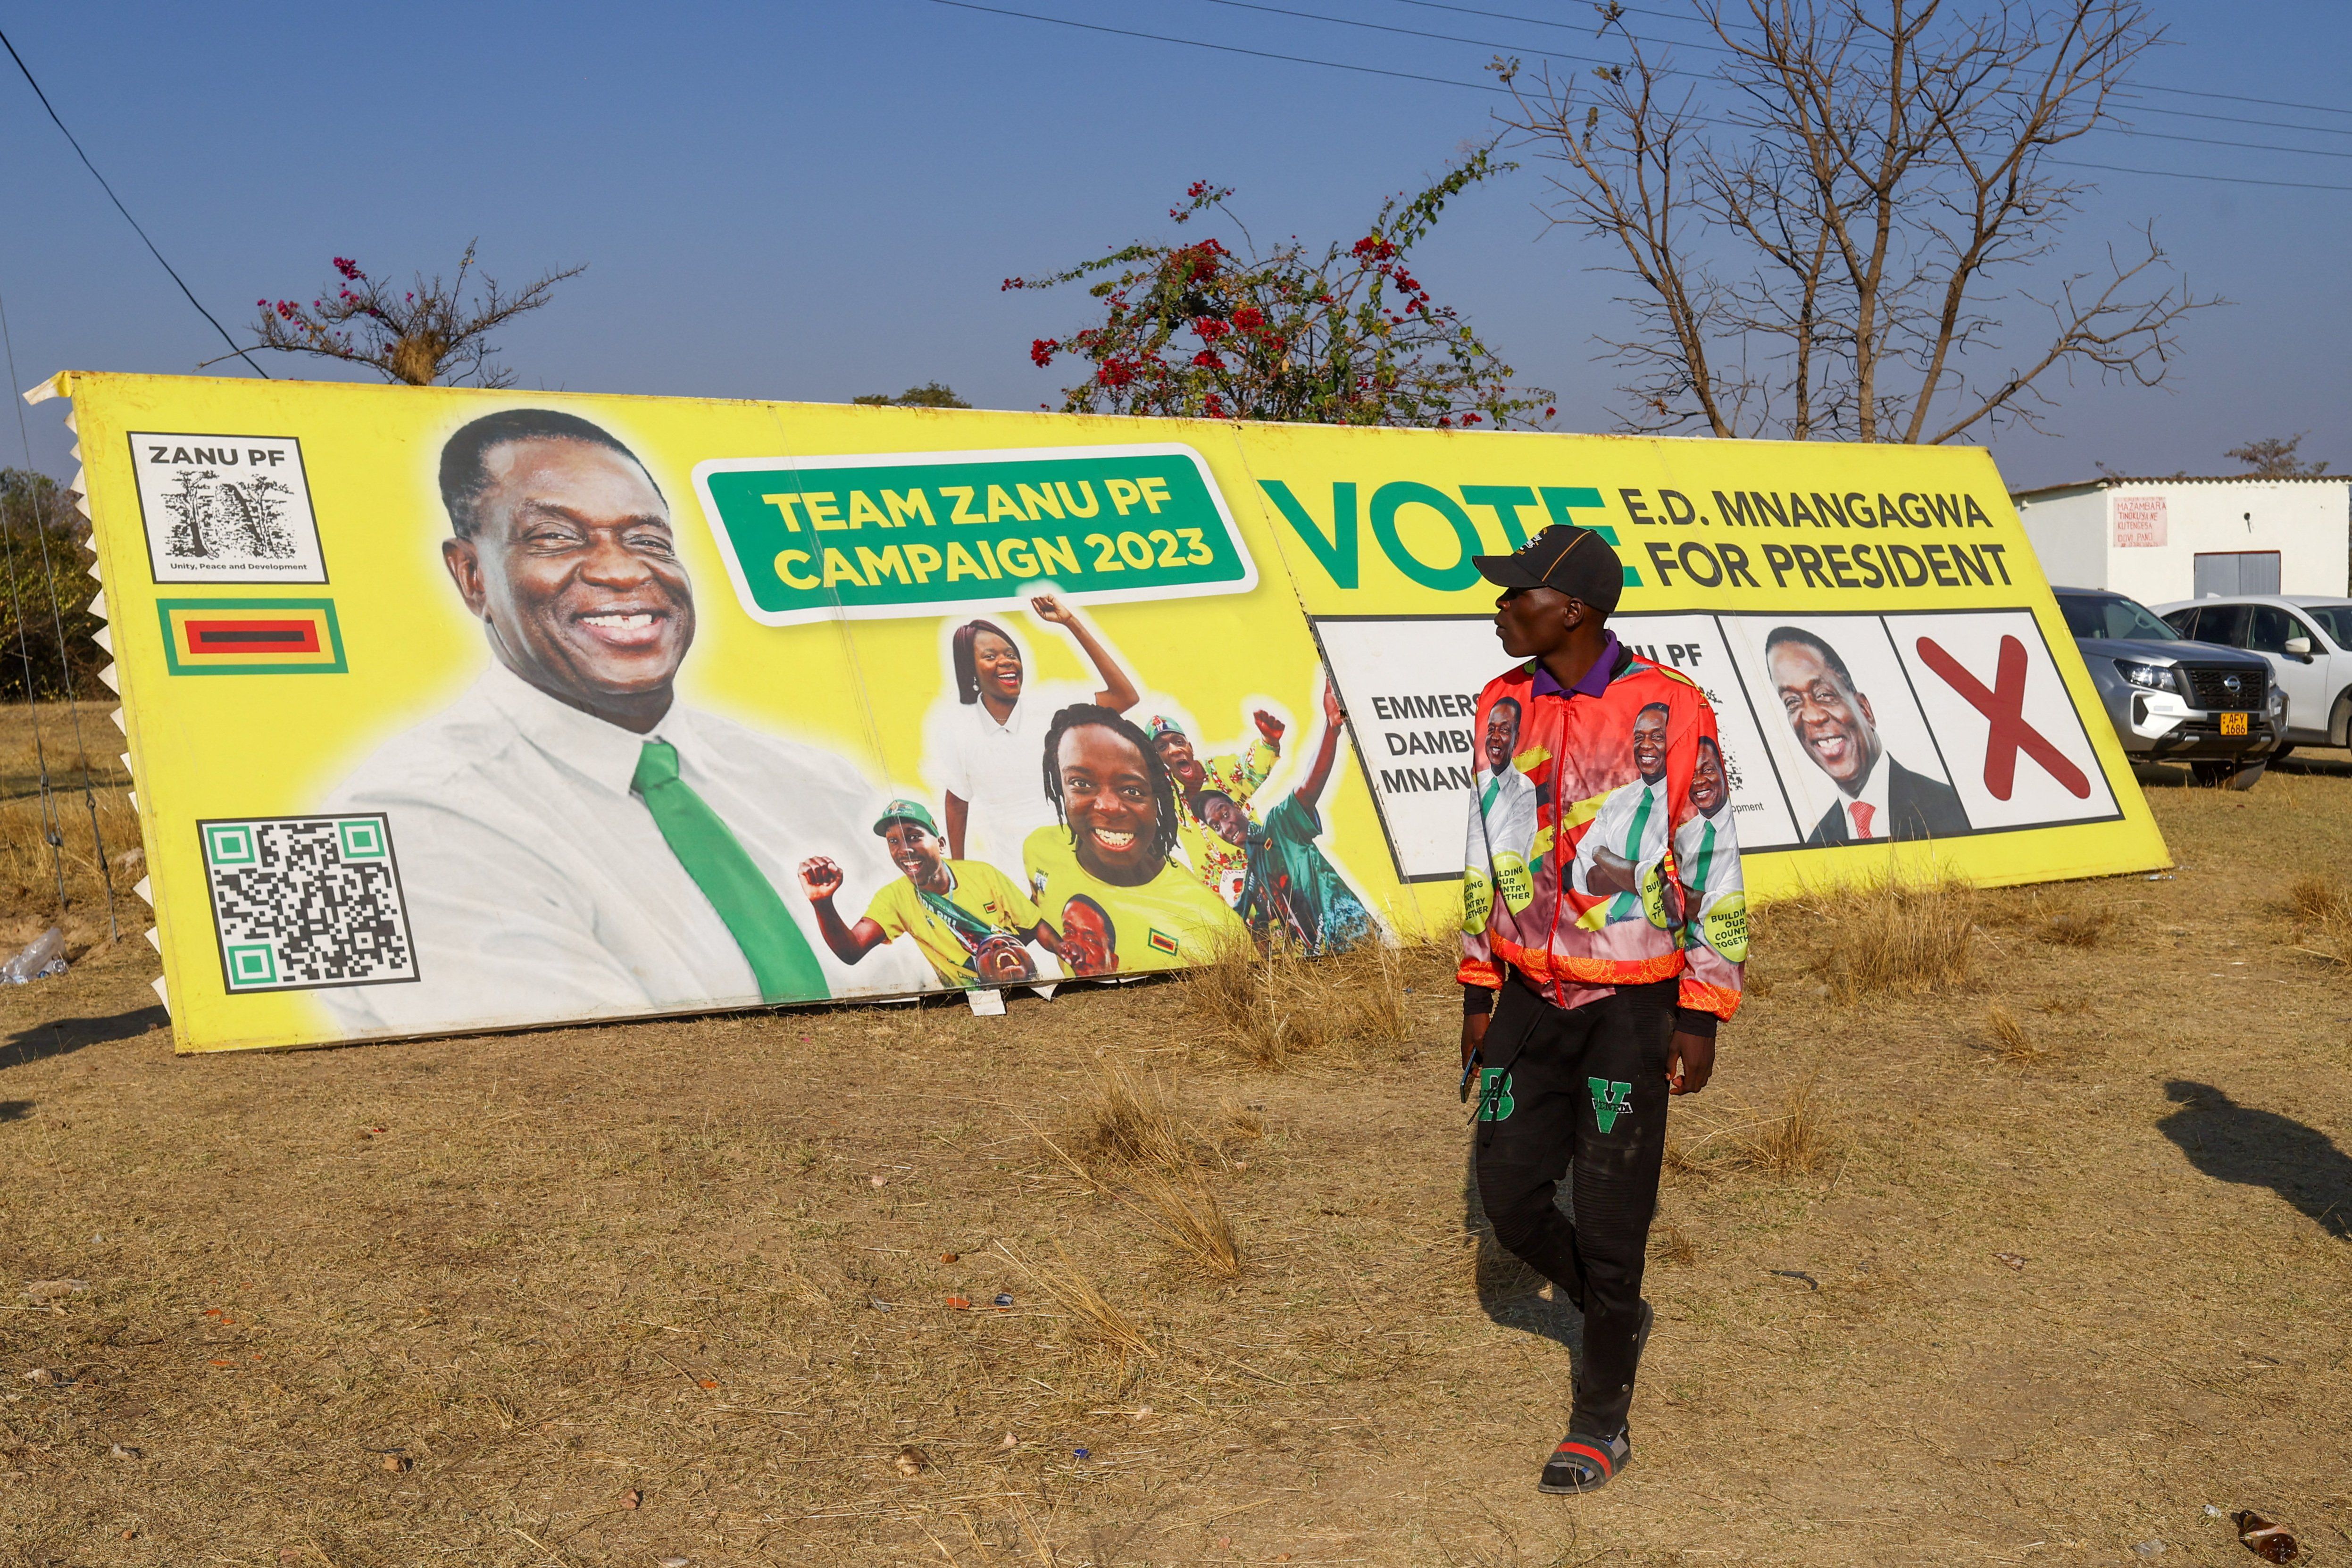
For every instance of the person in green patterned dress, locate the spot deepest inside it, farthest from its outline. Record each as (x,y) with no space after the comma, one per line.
(1288,887)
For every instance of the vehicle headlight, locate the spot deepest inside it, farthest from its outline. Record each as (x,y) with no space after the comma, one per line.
(2153,677)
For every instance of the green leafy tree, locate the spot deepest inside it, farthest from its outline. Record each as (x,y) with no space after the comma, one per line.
(45,627)
(2274,458)
(930,394)
(1350,337)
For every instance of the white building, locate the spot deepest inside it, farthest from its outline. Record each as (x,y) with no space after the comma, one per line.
(2156,540)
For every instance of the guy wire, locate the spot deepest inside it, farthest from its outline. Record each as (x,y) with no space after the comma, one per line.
(65,672)
(32,713)
(133,221)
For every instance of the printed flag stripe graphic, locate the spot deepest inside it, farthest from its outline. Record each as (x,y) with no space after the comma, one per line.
(251,636)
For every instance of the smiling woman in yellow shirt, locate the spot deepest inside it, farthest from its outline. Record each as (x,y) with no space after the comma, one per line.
(1118,823)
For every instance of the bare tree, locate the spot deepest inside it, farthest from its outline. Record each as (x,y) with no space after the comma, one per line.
(1819,228)
(428,334)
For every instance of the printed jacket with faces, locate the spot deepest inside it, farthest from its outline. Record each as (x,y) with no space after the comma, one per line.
(1627,881)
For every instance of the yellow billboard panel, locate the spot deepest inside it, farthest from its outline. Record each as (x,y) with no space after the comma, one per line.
(454,709)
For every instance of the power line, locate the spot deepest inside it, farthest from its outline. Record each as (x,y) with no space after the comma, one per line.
(1412,32)
(2182,174)
(1492,87)
(1669,17)
(1222,48)
(1497,44)
(133,221)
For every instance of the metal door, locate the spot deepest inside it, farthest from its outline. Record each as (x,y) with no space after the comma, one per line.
(2237,572)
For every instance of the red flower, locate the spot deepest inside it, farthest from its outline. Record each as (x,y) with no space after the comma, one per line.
(350,268)
(1550,412)
(1041,352)
(1249,317)
(1207,360)
(1213,406)
(1010,283)
(1211,328)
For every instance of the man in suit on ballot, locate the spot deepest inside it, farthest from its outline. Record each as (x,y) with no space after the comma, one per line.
(1878,796)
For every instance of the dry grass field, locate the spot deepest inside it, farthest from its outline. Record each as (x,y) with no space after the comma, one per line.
(2029,1265)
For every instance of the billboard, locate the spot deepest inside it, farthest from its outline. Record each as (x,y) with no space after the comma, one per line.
(457,710)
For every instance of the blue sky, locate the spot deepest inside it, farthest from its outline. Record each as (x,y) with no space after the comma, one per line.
(813,202)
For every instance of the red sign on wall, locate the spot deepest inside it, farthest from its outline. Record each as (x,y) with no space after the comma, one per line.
(2140,521)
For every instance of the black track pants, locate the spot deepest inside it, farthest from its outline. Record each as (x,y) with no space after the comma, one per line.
(1582,1092)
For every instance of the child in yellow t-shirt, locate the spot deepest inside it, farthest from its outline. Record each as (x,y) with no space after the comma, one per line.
(968,918)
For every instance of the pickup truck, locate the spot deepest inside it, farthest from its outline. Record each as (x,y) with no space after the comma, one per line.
(2172,700)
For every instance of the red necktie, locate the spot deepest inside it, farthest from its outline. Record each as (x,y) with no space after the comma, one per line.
(1862,815)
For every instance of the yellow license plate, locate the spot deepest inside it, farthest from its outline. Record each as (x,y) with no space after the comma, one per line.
(2234,723)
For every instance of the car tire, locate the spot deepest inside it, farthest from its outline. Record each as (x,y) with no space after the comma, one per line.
(2233,775)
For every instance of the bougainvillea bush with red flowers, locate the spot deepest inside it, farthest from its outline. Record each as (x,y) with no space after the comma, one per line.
(1208,330)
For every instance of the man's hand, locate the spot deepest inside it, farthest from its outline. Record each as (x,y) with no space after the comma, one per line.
(1690,1062)
(1474,1033)
(1268,725)
(820,879)
(1048,609)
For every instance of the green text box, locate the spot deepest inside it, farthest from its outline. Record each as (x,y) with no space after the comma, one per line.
(915,533)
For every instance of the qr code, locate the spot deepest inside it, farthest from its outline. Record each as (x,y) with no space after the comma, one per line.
(302,902)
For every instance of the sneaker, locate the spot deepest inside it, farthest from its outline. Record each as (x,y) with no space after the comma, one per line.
(1583,1464)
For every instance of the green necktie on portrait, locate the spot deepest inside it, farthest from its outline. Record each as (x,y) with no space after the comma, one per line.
(780,956)
(1625,906)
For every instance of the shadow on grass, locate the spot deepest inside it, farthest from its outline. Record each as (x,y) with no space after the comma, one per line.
(2234,1142)
(15,1109)
(1509,1292)
(2322,763)
(60,1035)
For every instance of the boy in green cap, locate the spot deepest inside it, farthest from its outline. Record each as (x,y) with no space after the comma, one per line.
(968,918)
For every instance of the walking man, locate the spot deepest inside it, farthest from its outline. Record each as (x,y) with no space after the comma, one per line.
(1580,1022)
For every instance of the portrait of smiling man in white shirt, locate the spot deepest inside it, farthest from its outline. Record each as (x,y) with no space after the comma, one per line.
(572,840)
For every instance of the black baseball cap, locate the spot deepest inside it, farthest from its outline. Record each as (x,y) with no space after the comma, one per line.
(1573,561)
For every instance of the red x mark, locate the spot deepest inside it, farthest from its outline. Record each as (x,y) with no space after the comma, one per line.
(2004,708)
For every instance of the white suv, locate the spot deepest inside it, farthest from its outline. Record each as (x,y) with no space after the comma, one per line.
(2307,640)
